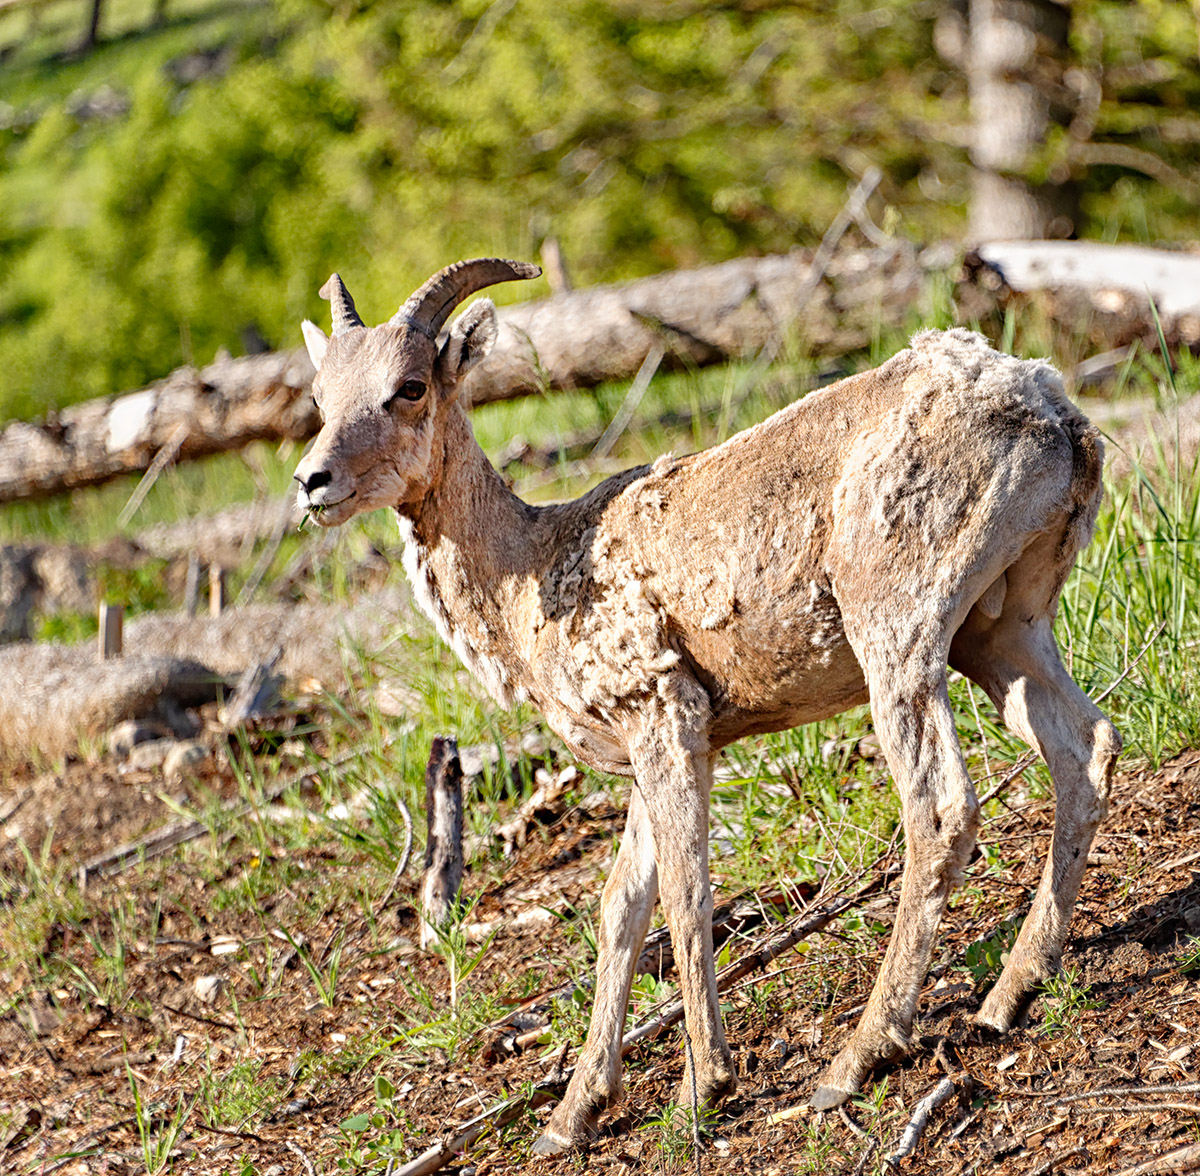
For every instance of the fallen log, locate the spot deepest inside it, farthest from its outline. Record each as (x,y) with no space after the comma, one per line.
(1115,280)
(576,339)
(834,303)
(56,693)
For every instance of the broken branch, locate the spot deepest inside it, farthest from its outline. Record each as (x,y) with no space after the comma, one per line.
(920,1119)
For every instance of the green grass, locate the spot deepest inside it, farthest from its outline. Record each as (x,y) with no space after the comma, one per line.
(240,1095)
(802,805)
(38,43)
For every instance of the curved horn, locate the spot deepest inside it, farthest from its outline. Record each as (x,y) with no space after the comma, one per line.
(344,315)
(429,308)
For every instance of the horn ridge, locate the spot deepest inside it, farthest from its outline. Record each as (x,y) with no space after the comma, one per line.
(432,304)
(345,316)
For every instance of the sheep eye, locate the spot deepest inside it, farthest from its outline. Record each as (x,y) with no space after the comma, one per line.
(410,390)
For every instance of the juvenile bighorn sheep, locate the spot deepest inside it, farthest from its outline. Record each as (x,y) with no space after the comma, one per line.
(846,549)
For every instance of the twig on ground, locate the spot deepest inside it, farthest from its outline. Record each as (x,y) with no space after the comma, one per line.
(202,1126)
(295,1149)
(873,1144)
(1059,1158)
(964,1123)
(1115,1091)
(14,804)
(405,858)
(495,1117)
(920,1119)
(1182,1159)
(1140,1108)
(850,1121)
(863,1134)
(114,861)
(691,1065)
(206,1020)
(865,1158)
(751,962)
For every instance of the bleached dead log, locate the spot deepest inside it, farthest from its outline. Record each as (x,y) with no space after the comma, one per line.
(576,339)
(583,337)
(1103,271)
(59,692)
(443,846)
(1104,289)
(222,406)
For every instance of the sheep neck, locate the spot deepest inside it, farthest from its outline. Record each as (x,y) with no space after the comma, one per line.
(467,552)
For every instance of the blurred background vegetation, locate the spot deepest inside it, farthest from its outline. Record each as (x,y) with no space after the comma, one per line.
(180,176)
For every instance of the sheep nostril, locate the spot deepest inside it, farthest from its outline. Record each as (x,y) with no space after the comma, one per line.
(315,480)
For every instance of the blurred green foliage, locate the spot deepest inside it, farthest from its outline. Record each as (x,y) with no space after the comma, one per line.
(252,149)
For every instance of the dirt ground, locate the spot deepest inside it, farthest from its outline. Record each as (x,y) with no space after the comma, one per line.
(1105,1076)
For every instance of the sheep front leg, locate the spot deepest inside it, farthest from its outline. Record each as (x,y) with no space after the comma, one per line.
(674,772)
(624,918)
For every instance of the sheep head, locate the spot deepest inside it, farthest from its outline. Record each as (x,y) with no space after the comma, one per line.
(383,392)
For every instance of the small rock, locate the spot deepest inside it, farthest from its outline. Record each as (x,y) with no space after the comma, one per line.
(208,988)
(473,759)
(188,754)
(395,699)
(145,757)
(124,737)
(535,917)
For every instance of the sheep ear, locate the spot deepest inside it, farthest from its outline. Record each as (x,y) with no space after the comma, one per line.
(316,341)
(471,338)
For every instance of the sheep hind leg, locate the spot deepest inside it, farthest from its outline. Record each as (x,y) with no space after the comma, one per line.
(915,724)
(1017,663)
(625,911)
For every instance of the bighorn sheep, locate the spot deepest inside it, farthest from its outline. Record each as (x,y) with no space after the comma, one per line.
(846,549)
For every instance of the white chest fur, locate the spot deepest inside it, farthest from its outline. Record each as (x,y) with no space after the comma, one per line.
(470,646)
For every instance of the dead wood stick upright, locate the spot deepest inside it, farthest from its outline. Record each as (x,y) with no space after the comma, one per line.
(112,630)
(443,845)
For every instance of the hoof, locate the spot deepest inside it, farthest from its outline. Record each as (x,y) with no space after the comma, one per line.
(987,1029)
(550,1145)
(825,1098)
(1000,1016)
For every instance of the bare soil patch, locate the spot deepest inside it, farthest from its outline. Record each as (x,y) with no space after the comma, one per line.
(190,992)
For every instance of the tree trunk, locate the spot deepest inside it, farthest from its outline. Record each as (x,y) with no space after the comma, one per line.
(1015,60)
(93,31)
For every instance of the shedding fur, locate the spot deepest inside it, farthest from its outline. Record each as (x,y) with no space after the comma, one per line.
(847,549)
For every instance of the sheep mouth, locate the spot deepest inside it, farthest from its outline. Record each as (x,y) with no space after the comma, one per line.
(317,512)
